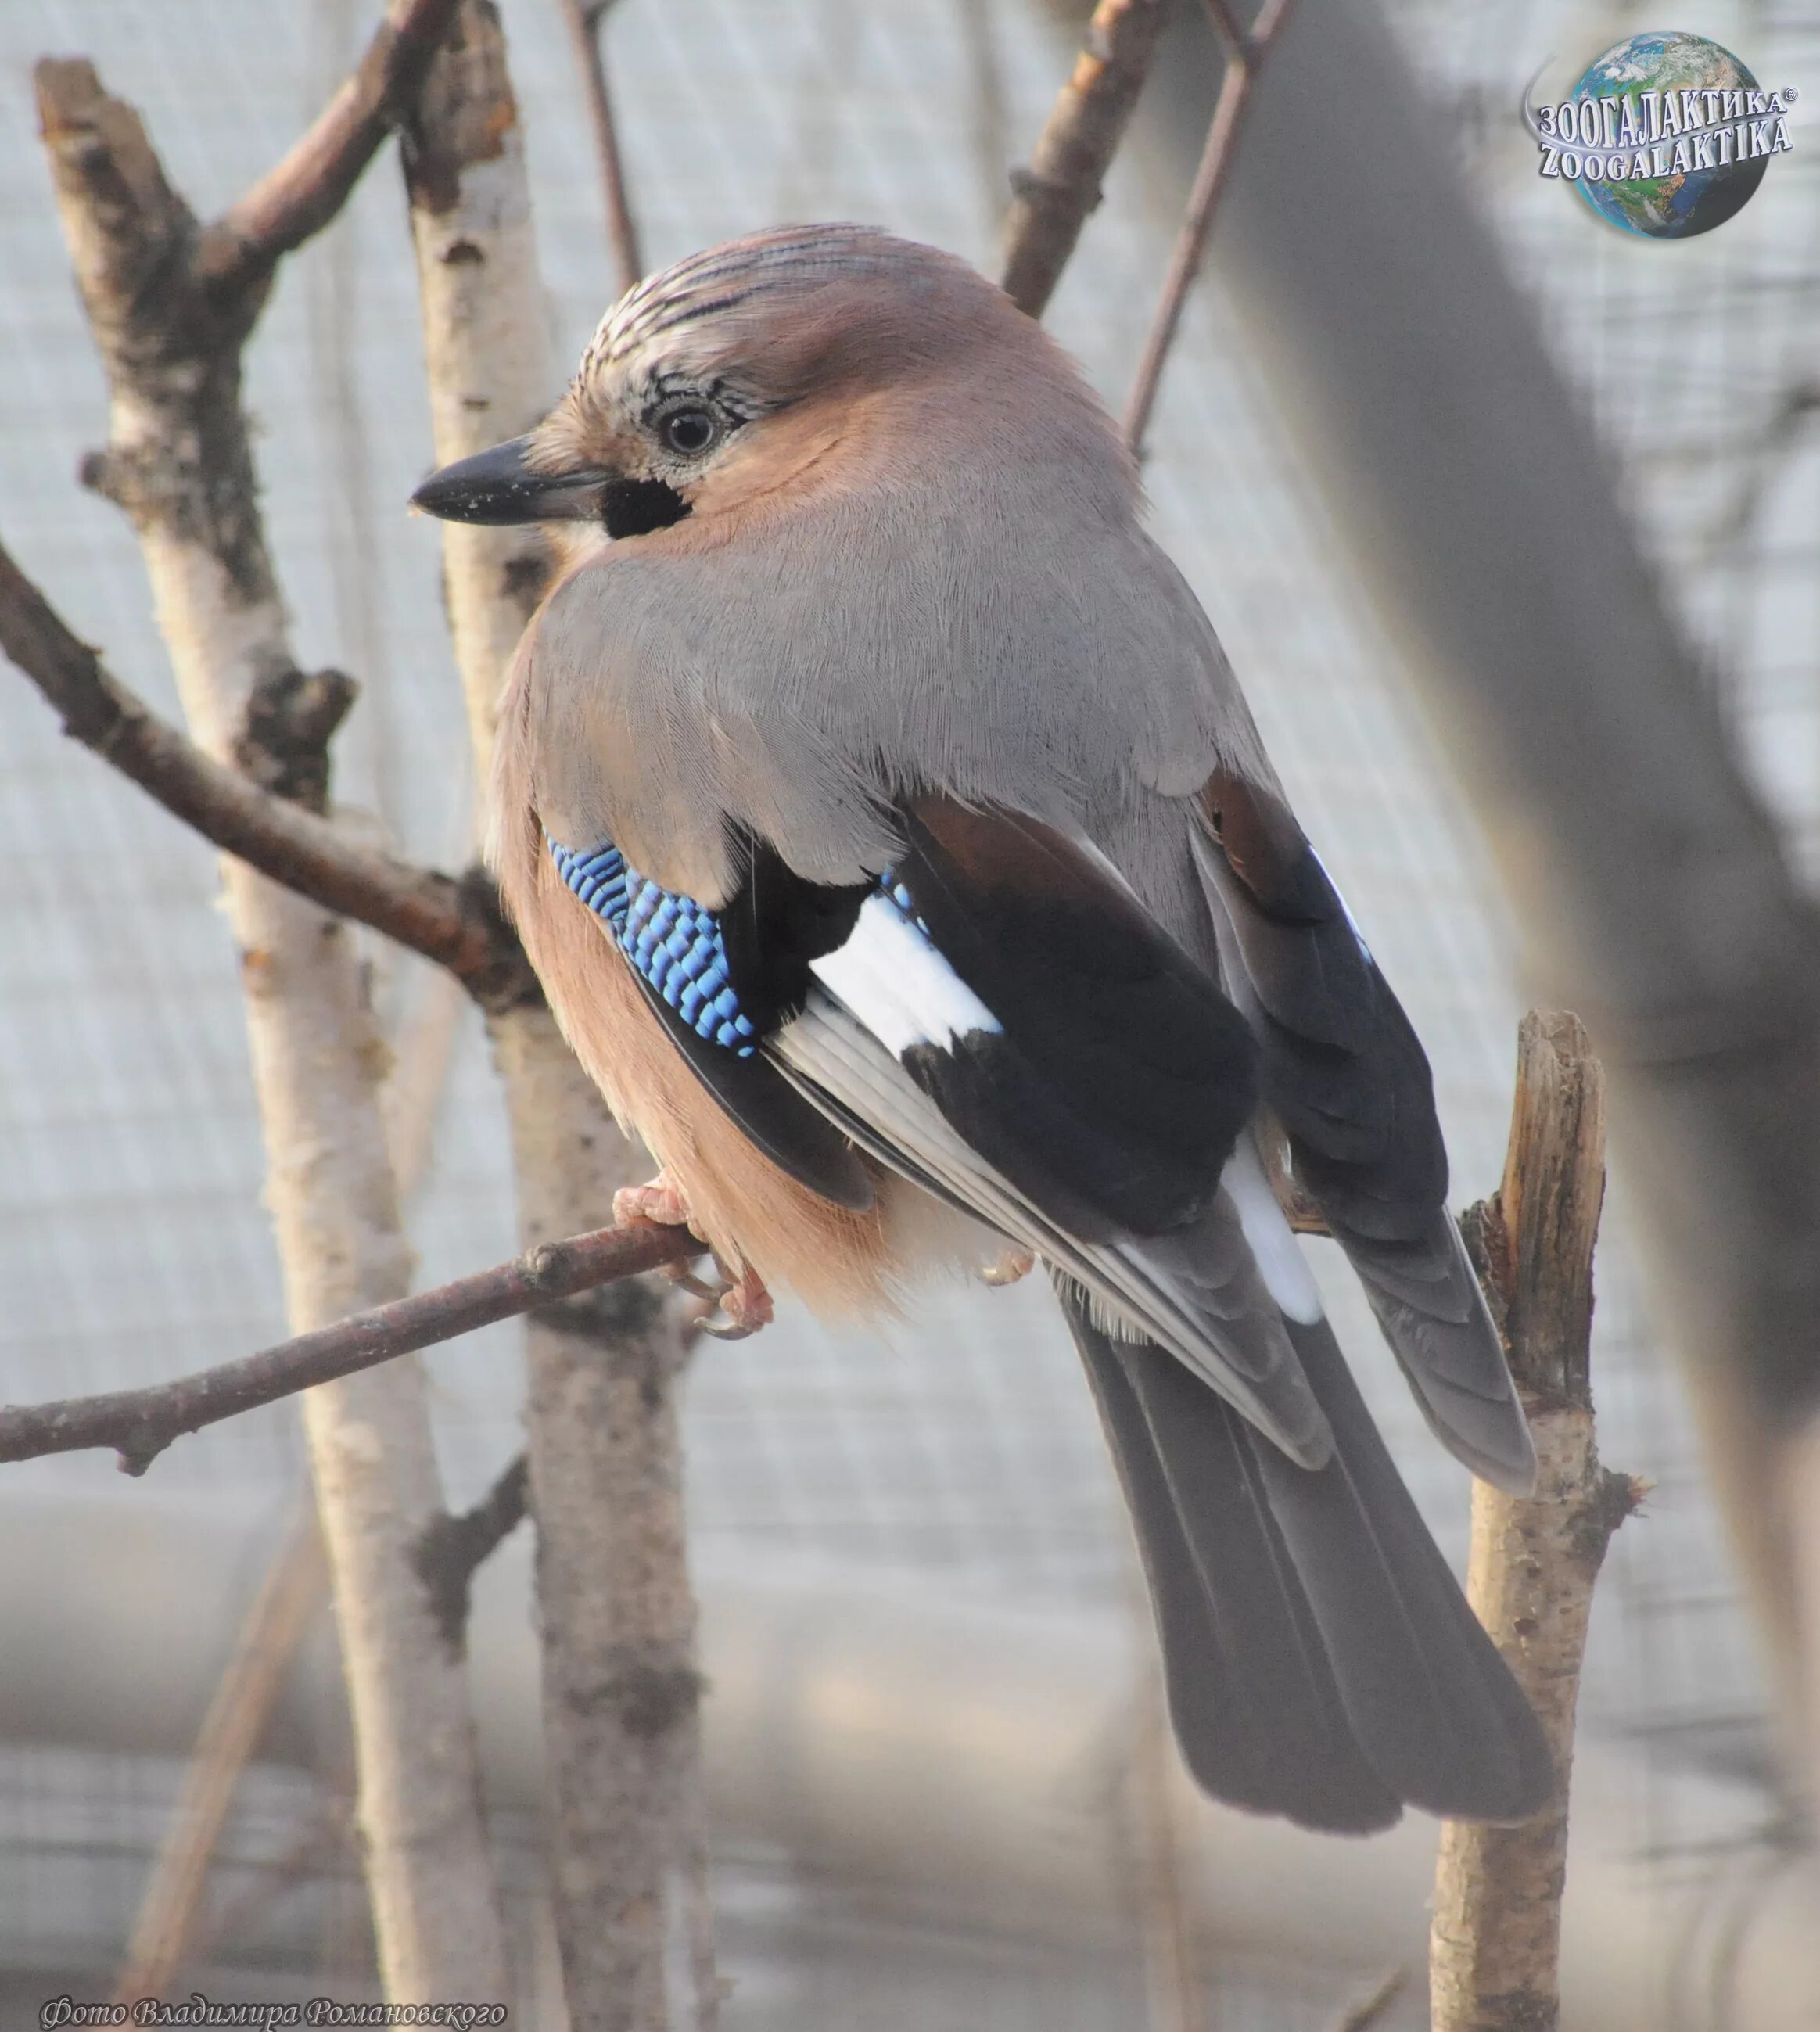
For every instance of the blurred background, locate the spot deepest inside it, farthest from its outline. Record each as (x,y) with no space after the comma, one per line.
(928,1512)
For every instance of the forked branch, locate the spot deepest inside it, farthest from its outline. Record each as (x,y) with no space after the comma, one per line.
(298,196)
(457,924)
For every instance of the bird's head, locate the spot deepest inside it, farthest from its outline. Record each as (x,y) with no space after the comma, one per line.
(722,379)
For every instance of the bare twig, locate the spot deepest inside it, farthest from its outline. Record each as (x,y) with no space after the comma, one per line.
(295,1587)
(1367,2009)
(299,195)
(453,1549)
(586,25)
(139,1425)
(1244,55)
(1496,1942)
(322,1846)
(1175,1988)
(457,924)
(1051,199)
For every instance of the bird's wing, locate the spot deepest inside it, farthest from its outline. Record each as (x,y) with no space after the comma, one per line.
(1343,1071)
(686,959)
(995,1017)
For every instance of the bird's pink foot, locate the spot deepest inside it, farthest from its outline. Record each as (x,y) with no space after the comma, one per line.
(745,1306)
(660,1202)
(739,1305)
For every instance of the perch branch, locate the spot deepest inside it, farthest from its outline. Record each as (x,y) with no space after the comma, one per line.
(1051,199)
(299,195)
(1245,55)
(585,25)
(1496,1942)
(139,1425)
(457,924)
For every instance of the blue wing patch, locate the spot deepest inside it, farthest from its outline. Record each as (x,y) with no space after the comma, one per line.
(674,943)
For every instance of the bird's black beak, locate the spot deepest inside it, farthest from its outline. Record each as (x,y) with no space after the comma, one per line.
(497,486)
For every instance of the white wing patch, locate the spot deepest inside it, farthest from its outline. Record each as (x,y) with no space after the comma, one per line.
(833,1054)
(1277,1253)
(899,987)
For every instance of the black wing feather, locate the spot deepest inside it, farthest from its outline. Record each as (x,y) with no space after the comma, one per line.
(1345,1075)
(795,1135)
(772,926)
(1121,1077)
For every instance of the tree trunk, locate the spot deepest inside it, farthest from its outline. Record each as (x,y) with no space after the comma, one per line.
(617,1614)
(179,463)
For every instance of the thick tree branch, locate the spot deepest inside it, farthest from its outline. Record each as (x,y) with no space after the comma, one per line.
(1051,199)
(300,195)
(179,461)
(1244,53)
(139,1425)
(457,924)
(1496,1946)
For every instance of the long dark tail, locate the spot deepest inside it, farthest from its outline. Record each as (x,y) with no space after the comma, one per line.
(1321,1662)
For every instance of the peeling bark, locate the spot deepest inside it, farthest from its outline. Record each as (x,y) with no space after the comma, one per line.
(1495,1948)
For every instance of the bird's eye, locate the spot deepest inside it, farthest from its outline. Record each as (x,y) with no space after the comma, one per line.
(689,430)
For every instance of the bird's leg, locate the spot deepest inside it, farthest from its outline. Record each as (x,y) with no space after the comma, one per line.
(740,1303)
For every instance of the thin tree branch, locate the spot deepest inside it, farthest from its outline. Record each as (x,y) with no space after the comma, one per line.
(457,924)
(1495,1946)
(452,1549)
(585,23)
(1367,2009)
(300,195)
(295,1588)
(1051,199)
(1244,56)
(139,1425)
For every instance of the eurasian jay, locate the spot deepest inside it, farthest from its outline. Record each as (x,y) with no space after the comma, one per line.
(899,855)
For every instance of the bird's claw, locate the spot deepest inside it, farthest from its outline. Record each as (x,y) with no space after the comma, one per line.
(738,1306)
(1008,1267)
